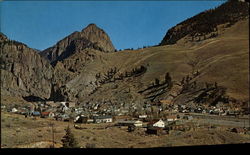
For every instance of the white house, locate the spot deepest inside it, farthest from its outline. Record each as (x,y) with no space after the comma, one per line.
(103,119)
(138,123)
(14,110)
(51,115)
(160,123)
(142,116)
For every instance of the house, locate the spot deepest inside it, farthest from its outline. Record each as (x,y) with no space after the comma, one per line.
(238,130)
(51,115)
(171,118)
(36,113)
(81,119)
(136,123)
(14,110)
(143,117)
(156,123)
(103,119)
(154,130)
(89,120)
(45,114)
(70,104)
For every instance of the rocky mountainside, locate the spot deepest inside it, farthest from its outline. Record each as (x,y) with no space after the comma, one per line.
(23,71)
(90,37)
(206,24)
(142,76)
(87,71)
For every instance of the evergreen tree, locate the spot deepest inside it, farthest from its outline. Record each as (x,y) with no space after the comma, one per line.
(69,140)
(183,80)
(216,85)
(157,81)
(168,79)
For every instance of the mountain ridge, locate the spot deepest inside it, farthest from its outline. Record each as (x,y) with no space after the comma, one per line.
(83,72)
(90,37)
(205,24)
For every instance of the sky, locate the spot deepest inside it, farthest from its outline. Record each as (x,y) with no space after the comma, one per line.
(129,24)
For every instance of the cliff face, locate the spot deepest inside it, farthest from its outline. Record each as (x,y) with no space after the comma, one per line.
(99,37)
(86,70)
(23,71)
(90,37)
(205,25)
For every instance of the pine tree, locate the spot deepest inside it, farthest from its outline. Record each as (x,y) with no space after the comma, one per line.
(69,140)
(157,81)
(168,78)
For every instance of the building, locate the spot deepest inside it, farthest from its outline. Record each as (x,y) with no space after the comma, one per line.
(70,104)
(14,110)
(157,123)
(171,118)
(47,114)
(238,130)
(81,119)
(89,120)
(154,130)
(36,113)
(136,123)
(103,119)
(143,117)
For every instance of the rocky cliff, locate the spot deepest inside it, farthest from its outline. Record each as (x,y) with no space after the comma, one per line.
(90,37)
(23,71)
(87,71)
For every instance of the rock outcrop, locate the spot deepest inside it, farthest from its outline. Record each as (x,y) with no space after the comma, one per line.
(90,37)
(23,71)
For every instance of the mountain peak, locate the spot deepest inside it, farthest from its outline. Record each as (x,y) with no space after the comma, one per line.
(97,35)
(92,27)
(91,37)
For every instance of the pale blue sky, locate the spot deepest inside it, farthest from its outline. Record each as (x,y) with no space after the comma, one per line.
(130,24)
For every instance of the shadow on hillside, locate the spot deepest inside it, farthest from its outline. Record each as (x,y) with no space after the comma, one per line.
(33,98)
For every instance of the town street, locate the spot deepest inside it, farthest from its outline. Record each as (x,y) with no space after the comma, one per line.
(220,120)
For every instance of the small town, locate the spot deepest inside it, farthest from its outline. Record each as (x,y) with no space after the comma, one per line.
(125,74)
(163,117)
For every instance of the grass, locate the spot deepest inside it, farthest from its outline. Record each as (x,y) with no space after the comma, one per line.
(38,133)
(223,59)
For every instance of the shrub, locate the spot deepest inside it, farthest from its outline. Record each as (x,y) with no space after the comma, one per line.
(69,140)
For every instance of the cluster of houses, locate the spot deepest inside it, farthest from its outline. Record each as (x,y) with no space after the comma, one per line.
(219,109)
(94,113)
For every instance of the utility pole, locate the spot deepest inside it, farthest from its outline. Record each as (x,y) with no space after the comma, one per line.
(53,137)
(249,116)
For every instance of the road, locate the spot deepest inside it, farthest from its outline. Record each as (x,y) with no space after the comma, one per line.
(220,120)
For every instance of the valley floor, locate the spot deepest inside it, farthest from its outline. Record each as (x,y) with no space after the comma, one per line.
(20,132)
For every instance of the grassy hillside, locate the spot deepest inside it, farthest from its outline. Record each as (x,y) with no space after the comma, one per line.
(223,60)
